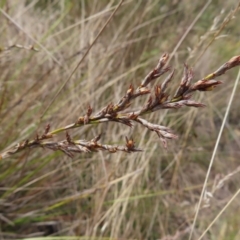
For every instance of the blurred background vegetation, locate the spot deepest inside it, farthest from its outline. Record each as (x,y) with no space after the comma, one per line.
(149,195)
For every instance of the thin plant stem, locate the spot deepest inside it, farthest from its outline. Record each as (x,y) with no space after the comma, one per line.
(214,153)
(189,29)
(84,56)
(220,213)
(30,37)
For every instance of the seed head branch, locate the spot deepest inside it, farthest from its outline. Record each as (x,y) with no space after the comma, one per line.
(159,99)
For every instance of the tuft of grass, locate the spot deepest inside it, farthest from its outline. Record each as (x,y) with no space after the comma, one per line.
(96,195)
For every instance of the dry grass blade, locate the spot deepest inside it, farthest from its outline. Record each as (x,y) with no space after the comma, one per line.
(84,56)
(33,39)
(219,214)
(231,63)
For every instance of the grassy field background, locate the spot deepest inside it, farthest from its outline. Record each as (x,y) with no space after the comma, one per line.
(148,195)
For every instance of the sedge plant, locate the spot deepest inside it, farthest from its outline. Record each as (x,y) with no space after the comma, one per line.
(121,112)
